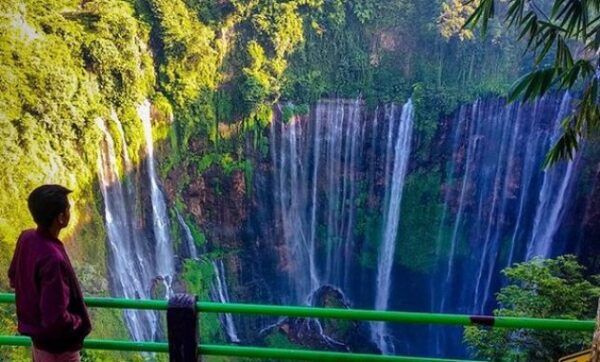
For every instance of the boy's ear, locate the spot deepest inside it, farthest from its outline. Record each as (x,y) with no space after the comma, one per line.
(61,218)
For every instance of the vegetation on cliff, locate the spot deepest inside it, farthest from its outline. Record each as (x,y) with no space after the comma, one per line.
(64,63)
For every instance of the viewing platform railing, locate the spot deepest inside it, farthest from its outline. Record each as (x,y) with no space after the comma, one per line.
(298,311)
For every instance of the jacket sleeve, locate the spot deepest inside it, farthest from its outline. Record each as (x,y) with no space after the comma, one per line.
(13,267)
(54,299)
(11,273)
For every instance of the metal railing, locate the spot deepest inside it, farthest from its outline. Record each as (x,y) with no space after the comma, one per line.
(310,312)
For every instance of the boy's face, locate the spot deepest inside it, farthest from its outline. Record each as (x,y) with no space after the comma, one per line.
(64,217)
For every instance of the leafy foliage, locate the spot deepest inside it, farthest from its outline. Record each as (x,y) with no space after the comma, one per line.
(198,275)
(60,67)
(189,61)
(62,64)
(455,14)
(565,42)
(551,288)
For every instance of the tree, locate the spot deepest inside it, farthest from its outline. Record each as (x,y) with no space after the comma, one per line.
(564,38)
(454,15)
(550,288)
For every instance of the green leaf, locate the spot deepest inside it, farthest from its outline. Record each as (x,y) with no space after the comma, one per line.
(548,39)
(556,7)
(515,12)
(481,15)
(564,148)
(520,85)
(533,84)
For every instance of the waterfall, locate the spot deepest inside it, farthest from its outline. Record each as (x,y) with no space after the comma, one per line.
(497,202)
(315,160)
(551,201)
(221,294)
(189,238)
(314,279)
(318,162)
(219,290)
(400,136)
(164,256)
(534,147)
(338,178)
(500,206)
(289,175)
(135,260)
(130,271)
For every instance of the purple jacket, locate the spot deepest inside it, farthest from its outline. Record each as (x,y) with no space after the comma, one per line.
(50,307)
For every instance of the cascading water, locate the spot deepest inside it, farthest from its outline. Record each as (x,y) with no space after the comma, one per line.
(136,261)
(189,238)
(314,177)
(221,294)
(493,191)
(219,290)
(556,186)
(317,163)
(165,258)
(131,272)
(400,137)
(504,208)
(330,168)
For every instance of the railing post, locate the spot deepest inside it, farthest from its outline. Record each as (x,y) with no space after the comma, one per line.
(182,327)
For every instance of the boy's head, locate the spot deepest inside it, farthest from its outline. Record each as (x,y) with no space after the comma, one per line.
(49,206)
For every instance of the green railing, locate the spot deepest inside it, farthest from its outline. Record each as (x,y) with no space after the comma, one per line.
(296,311)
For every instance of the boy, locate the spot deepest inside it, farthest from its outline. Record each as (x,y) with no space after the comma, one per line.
(50,307)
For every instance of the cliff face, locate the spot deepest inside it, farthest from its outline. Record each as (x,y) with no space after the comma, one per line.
(472,200)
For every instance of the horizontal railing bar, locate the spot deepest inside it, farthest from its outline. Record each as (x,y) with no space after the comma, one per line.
(122,303)
(105,302)
(399,317)
(347,314)
(236,351)
(110,345)
(307,355)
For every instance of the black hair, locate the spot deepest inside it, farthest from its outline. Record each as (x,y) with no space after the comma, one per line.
(47,202)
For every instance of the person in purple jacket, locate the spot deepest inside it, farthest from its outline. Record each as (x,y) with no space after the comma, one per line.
(50,307)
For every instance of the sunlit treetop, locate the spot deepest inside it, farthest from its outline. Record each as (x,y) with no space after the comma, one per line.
(453,17)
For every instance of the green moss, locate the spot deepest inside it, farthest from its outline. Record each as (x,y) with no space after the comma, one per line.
(279,340)
(197,276)
(369,227)
(197,234)
(291,110)
(420,222)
